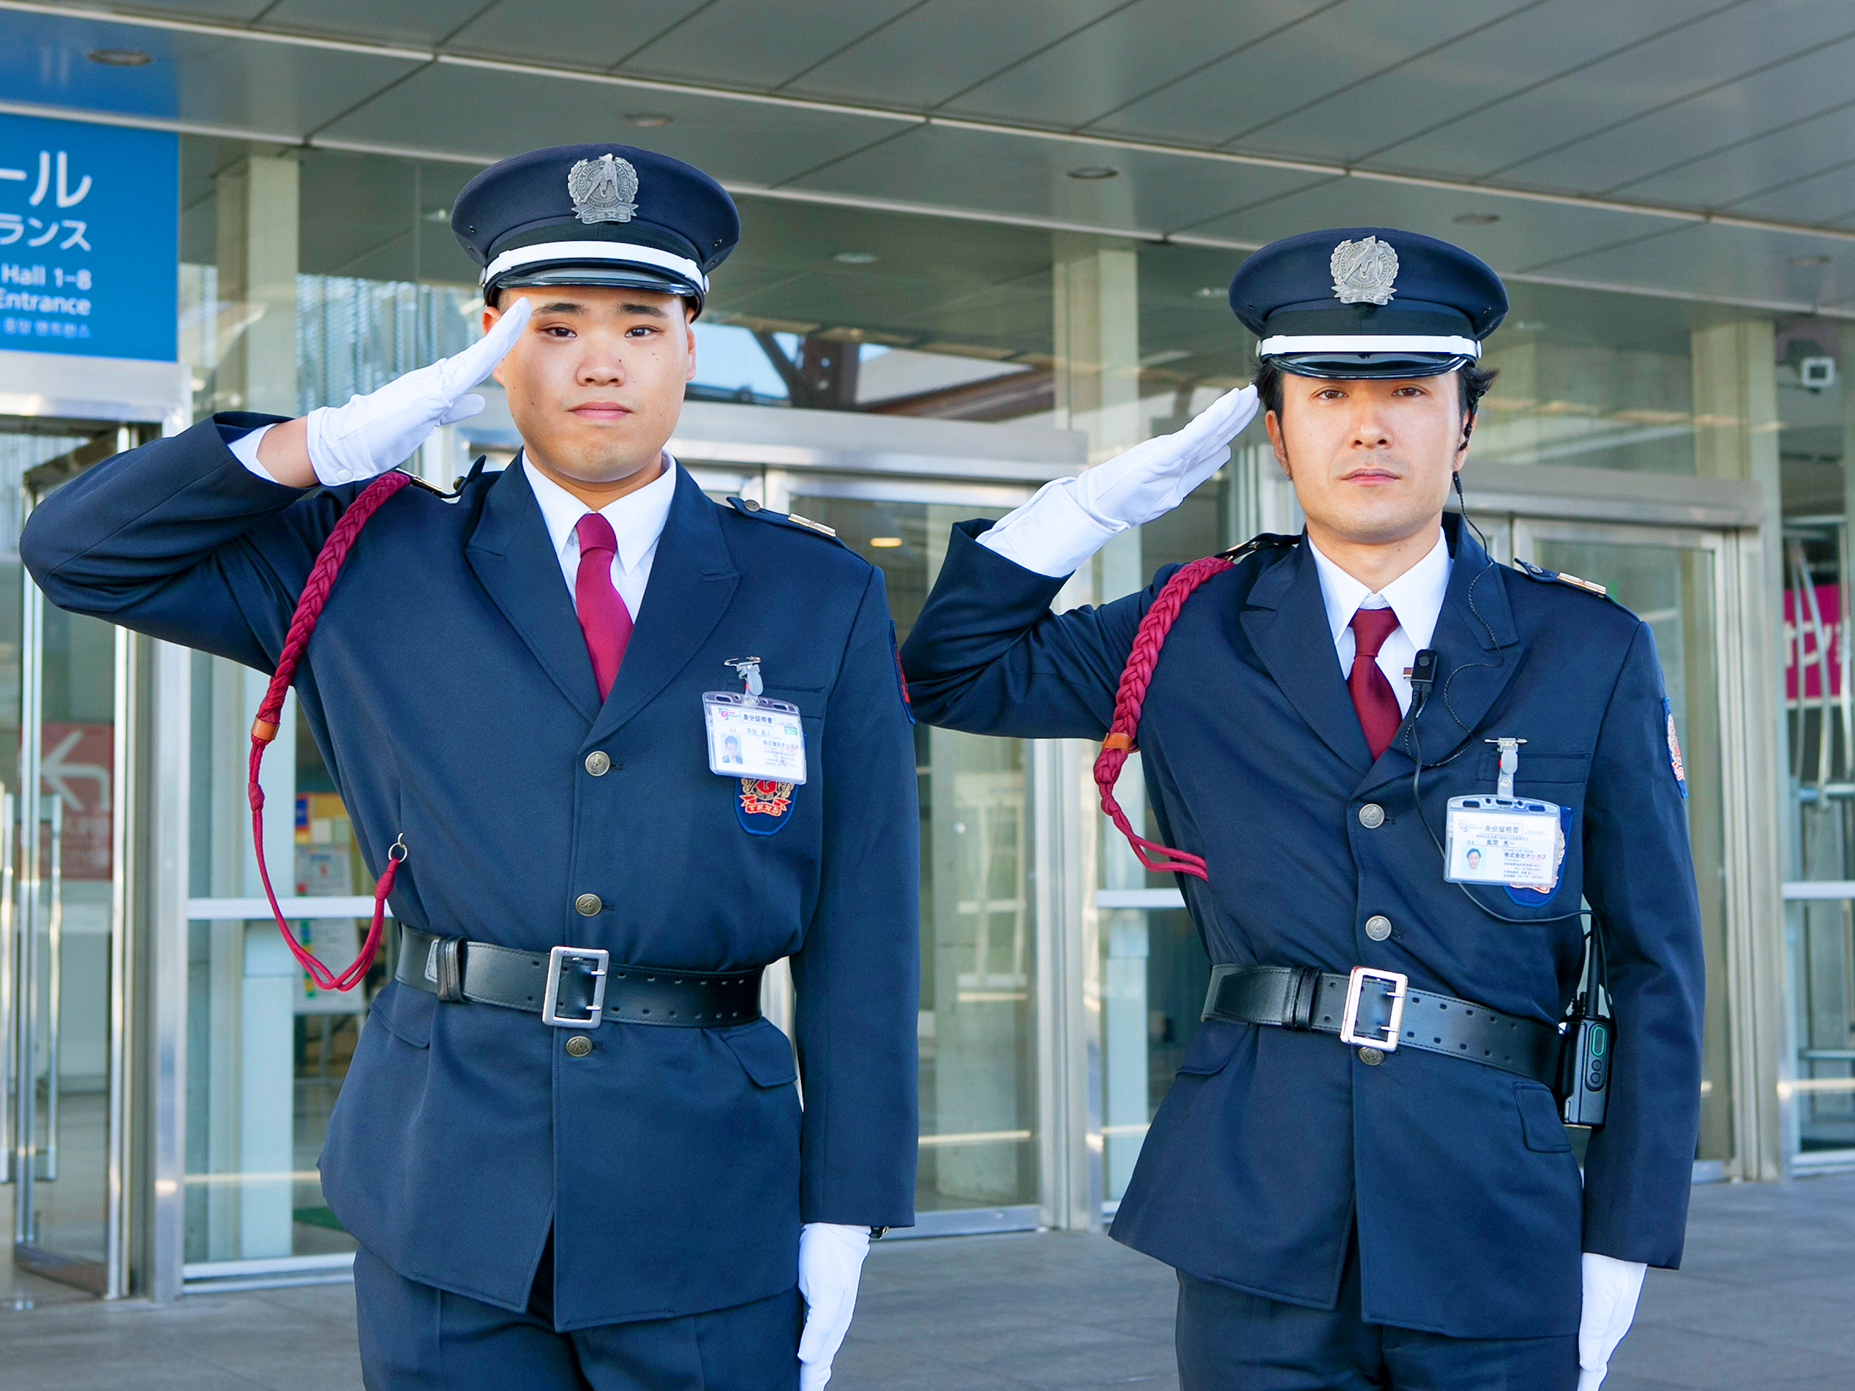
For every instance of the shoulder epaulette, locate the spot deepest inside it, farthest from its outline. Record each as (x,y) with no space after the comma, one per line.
(1268,541)
(747,507)
(1545,576)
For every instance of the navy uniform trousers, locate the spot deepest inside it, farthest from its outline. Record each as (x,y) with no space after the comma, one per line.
(449,690)
(1440,1195)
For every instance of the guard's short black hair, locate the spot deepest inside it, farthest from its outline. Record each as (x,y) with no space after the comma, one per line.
(1473,380)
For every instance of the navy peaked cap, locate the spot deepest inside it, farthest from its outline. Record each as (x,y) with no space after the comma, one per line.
(1367,302)
(596,215)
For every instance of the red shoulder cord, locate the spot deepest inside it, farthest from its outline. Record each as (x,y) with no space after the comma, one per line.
(264,729)
(1136,676)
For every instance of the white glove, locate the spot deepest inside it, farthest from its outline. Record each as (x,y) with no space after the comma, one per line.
(373,433)
(1072,518)
(830,1264)
(1611,1288)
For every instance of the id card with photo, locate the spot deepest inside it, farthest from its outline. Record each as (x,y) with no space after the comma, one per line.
(753,737)
(1511,841)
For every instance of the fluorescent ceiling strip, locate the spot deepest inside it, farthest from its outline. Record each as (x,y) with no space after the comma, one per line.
(1366,343)
(618,253)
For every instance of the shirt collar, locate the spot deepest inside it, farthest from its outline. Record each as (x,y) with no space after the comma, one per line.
(637,518)
(1416,596)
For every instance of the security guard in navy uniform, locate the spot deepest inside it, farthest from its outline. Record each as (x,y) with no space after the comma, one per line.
(521,685)
(1361,1173)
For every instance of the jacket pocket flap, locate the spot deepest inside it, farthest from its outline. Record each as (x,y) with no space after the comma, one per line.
(1213,1046)
(1539,1119)
(405,1013)
(765,1053)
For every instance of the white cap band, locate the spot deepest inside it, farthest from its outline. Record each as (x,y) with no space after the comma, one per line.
(615,252)
(1367,343)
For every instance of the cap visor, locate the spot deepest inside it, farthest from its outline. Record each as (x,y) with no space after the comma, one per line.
(1373,366)
(581,273)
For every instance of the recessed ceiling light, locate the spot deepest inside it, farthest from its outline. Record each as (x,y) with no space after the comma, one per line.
(119,57)
(1802,262)
(885,543)
(649,118)
(1211,292)
(437,214)
(855,258)
(1475,219)
(1093,171)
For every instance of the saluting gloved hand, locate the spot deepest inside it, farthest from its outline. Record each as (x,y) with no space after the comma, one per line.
(830,1265)
(1072,518)
(1611,1288)
(379,431)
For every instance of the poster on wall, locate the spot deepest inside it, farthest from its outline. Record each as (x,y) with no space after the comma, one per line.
(89,238)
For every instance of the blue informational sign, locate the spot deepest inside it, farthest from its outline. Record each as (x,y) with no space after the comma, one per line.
(89,238)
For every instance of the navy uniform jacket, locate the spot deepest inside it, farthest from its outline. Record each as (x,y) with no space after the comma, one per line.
(449,688)
(1271,1144)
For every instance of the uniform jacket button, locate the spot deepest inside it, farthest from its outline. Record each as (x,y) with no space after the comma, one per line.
(586,905)
(598,763)
(1371,816)
(1378,927)
(1370,1056)
(579,1046)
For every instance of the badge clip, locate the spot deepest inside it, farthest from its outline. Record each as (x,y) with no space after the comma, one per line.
(748,669)
(1510,764)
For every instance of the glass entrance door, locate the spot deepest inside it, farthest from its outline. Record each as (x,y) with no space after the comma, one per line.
(1672,580)
(978,1030)
(62,921)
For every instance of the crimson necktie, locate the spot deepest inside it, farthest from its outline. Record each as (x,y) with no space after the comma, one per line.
(1373,698)
(604,619)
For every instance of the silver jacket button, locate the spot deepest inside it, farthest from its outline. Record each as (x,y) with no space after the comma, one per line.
(587,905)
(1371,816)
(598,763)
(1378,927)
(579,1046)
(1371,1057)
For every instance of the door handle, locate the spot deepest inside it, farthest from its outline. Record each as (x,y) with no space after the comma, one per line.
(54,985)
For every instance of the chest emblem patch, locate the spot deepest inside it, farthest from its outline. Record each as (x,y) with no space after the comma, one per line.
(764,805)
(1674,749)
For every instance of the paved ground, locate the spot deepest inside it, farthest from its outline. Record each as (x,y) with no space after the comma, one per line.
(1766,1300)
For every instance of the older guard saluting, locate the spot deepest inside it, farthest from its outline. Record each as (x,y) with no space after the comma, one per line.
(1391,769)
(569,1146)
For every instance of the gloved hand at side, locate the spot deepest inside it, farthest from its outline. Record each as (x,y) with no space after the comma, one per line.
(1072,518)
(1611,1288)
(380,431)
(830,1265)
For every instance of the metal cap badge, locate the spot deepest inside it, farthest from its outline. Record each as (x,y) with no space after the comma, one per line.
(1364,272)
(606,190)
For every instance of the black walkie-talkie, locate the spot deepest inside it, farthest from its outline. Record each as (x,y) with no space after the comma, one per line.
(1585,1053)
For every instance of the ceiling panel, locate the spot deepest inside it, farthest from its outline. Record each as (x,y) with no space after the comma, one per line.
(494,114)
(1709,259)
(218,11)
(1524,47)
(1029,177)
(248,84)
(1784,172)
(1619,160)
(1526,232)
(568,31)
(1124,57)
(1827,199)
(423,22)
(760,44)
(942,48)
(1332,50)
(1619,88)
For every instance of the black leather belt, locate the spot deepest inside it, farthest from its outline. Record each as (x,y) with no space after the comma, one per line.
(575,987)
(1378,1009)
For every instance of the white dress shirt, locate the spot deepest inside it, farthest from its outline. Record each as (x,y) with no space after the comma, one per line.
(1416,597)
(637,519)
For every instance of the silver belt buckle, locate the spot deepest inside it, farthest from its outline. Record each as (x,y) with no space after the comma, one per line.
(556,960)
(1349,1019)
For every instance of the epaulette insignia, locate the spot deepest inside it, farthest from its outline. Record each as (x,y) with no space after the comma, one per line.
(755,508)
(1545,576)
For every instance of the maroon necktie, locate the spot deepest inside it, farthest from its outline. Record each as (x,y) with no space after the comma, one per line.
(603,616)
(1379,715)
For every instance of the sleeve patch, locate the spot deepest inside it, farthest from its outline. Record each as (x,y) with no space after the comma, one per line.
(1674,749)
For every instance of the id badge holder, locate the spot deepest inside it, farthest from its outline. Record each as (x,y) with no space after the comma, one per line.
(1515,842)
(751,736)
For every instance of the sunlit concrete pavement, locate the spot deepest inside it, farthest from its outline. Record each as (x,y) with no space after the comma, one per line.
(1763,1302)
